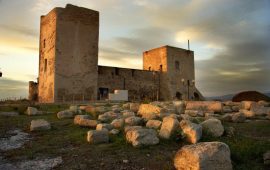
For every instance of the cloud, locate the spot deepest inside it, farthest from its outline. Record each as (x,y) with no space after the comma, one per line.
(12,88)
(20,30)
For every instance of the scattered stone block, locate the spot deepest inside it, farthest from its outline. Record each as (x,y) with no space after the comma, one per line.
(168,127)
(65,114)
(192,131)
(213,127)
(154,124)
(246,105)
(127,128)
(128,114)
(140,137)
(104,126)
(32,111)
(179,107)
(149,111)
(247,113)
(118,123)
(98,136)
(108,116)
(134,107)
(39,125)
(114,132)
(85,121)
(238,117)
(133,121)
(214,106)
(203,156)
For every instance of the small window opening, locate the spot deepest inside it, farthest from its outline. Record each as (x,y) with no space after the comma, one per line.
(149,68)
(44,43)
(160,68)
(177,65)
(117,71)
(45,65)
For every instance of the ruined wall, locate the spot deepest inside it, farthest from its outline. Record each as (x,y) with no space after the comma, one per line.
(47,57)
(33,91)
(177,64)
(76,54)
(140,84)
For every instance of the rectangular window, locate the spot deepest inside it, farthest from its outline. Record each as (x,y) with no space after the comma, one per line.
(45,65)
(44,43)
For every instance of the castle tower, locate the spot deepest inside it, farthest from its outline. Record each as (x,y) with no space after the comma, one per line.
(177,76)
(68,55)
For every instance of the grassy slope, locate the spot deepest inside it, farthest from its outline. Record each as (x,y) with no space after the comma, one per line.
(69,141)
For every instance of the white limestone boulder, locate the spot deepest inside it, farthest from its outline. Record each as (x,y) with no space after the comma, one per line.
(127,113)
(204,156)
(104,126)
(168,127)
(246,105)
(118,123)
(149,111)
(154,124)
(214,106)
(192,131)
(141,137)
(226,117)
(98,136)
(39,125)
(127,128)
(247,113)
(65,114)
(238,117)
(85,121)
(212,127)
(258,109)
(108,116)
(133,121)
(32,111)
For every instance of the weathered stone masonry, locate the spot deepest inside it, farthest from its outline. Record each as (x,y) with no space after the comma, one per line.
(69,71)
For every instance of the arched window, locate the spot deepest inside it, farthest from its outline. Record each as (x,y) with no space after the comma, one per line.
(149,68)
(177,65)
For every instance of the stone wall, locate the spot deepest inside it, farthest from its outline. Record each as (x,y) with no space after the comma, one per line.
(73,57)
(141,84)
(47,57)
(177,71)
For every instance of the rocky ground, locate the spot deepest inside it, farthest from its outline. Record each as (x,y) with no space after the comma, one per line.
(134,136)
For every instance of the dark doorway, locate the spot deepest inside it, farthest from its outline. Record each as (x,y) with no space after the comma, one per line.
(196,96)
(178,96)
(103,93)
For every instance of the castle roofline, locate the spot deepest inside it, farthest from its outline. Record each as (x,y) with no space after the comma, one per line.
(167,46)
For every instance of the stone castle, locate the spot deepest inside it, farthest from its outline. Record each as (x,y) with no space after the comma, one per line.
(69,70)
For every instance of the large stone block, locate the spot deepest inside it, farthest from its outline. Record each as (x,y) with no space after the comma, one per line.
(149,111)
(215,106)
(203,156)
(133,121)
(168,127)
(40,124)
(192,131)
(65,114)
(212,127)
(84,120)
(98,136)
(154,124)
(140,137)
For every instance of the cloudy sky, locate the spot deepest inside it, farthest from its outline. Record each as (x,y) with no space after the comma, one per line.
(231,39)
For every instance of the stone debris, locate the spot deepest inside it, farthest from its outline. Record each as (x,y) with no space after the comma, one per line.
(212,127)
(203,156)
(238,117)
(65,114)
(128,128)
(140,137)
(16,140)
(118,123)
(40,164)
(104,126)
(214,106)
(192,131)
(154,124)
(97,136)
(85,121)
(133,121)
(114,132)
(168,127)
(39,125)
(127,113)
(179,107)
(108,116)
(149,111)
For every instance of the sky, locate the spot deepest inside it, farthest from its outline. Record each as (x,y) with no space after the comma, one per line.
(230,39)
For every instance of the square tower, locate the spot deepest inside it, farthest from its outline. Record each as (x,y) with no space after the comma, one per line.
(176,67)
(68,55)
